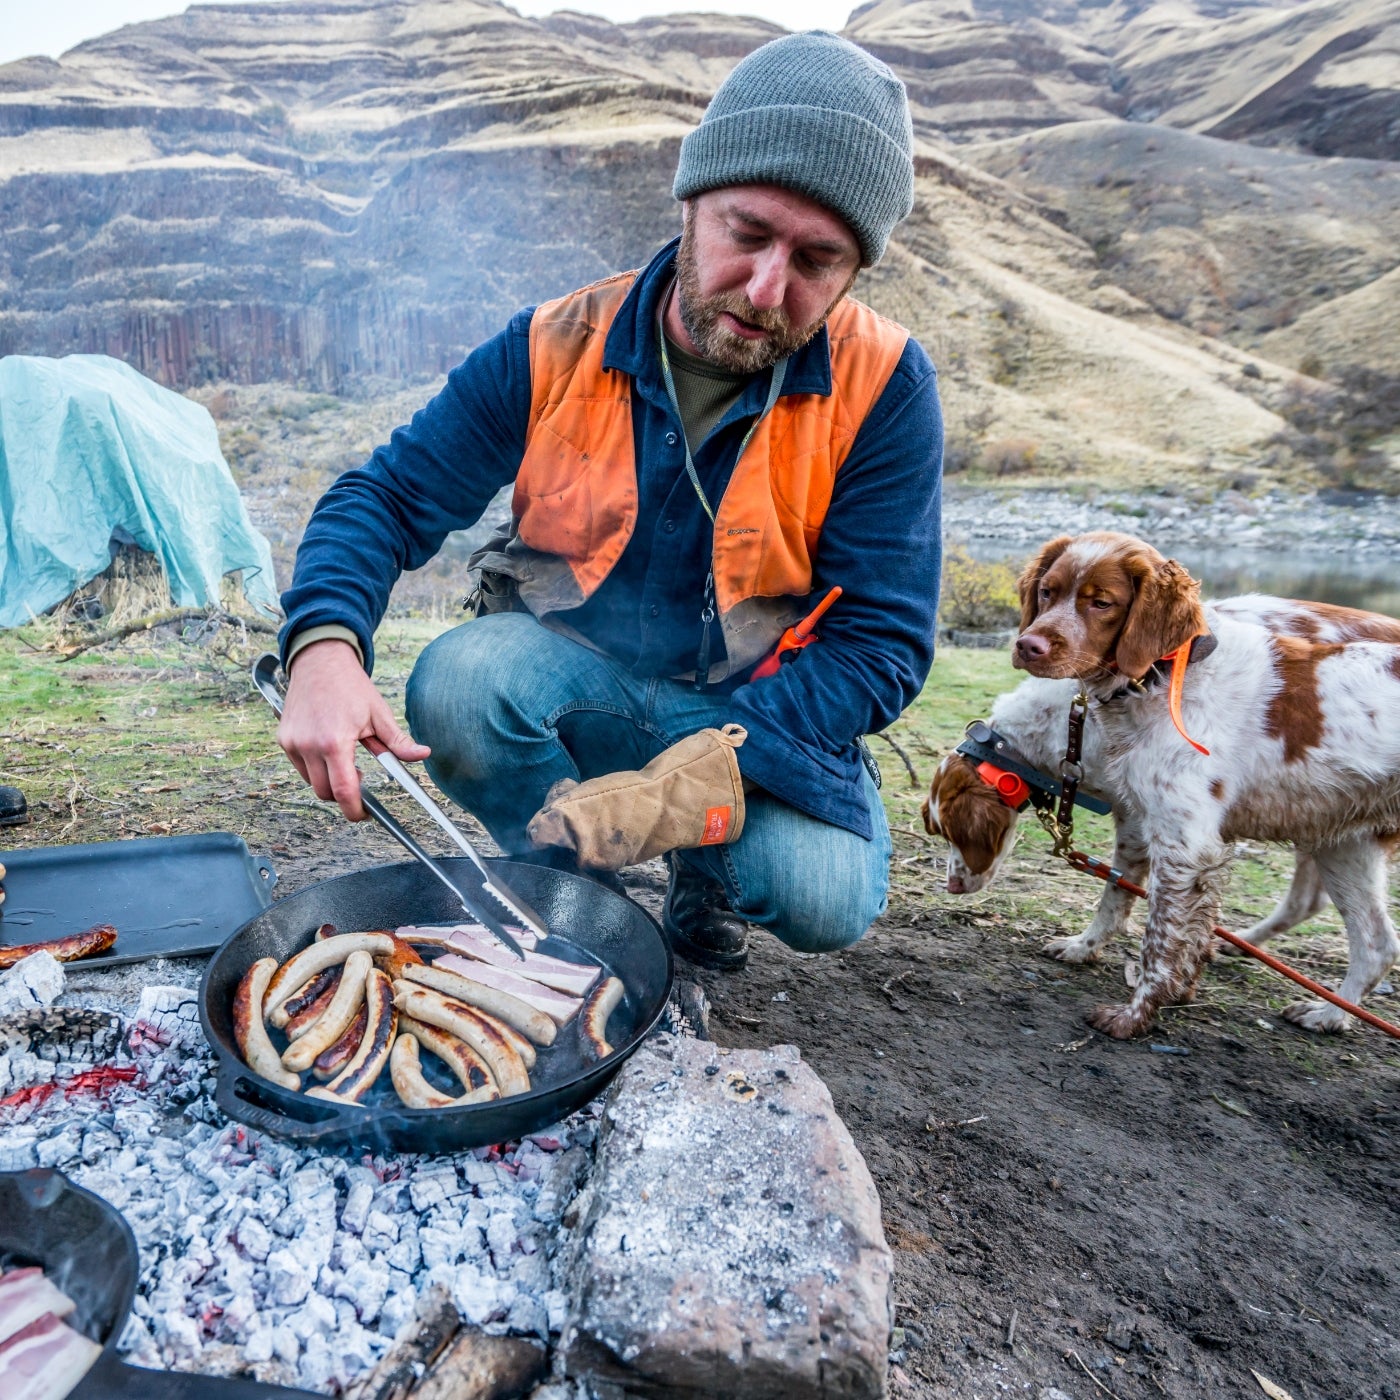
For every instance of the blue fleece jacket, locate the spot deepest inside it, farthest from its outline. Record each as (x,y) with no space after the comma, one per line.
(880,541)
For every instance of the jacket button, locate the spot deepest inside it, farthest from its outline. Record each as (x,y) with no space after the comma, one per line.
(671,439)
(656,612)
(669,526)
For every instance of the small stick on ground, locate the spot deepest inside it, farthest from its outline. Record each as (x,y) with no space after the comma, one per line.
(1011,1328)
(1093,1380)
(904,758)
(887,988)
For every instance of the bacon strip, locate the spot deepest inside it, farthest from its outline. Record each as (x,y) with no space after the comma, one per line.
(559,1008)
(88,944)
(45,1360)
(25,1294)
(574,979)
(437,935)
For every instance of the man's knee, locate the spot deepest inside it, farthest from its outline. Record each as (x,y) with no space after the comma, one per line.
(826,916)
(814,901)
(465,687)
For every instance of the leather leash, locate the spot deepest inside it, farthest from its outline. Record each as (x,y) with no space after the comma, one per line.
(1092,865)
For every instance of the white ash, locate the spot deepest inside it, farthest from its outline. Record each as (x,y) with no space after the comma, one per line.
(33,981)
(295,1266)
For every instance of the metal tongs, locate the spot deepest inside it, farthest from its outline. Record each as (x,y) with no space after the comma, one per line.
(266,674)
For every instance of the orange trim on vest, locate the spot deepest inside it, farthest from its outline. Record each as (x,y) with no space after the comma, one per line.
(576,492)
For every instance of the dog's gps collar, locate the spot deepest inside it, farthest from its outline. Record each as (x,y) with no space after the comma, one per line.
(1015,781)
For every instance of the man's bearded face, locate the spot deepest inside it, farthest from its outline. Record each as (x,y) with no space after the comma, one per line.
(705,316)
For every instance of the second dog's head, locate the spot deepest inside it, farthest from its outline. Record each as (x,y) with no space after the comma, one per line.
(1101,604)
(976,823)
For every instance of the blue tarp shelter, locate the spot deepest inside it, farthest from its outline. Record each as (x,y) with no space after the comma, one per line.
(91,450)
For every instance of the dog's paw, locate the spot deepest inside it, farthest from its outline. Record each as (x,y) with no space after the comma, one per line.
(1121,1022)
(1317,1016)
(1073,950)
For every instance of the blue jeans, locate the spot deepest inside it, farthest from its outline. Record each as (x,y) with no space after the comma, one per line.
(509,707)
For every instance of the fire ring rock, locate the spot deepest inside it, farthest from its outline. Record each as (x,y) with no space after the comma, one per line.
(729,1241)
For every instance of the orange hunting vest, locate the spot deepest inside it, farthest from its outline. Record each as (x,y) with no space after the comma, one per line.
(575,502)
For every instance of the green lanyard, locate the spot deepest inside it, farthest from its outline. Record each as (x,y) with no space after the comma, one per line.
(775,388)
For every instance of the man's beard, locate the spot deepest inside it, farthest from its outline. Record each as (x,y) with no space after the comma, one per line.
(702,318)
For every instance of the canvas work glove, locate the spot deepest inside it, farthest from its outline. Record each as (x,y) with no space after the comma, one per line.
(689,795)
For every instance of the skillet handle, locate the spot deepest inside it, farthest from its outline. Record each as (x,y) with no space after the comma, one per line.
(300,1120)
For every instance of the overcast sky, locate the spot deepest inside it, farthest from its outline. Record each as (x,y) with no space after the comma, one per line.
(50,28)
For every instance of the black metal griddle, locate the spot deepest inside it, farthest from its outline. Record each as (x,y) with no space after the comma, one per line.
(87,1249)
(167,896)
(588,923)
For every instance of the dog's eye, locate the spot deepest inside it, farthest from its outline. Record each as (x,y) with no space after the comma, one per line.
(1043,591)
(1101,603)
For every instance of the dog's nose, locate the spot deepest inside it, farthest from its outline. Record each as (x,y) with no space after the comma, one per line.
(1030,647)
(956,885)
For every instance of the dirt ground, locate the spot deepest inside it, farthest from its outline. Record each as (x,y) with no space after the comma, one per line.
(1070,1216)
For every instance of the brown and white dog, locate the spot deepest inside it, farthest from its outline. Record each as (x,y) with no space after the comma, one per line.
(1299,706)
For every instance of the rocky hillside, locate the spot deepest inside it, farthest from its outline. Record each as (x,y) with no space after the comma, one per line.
(1133,228)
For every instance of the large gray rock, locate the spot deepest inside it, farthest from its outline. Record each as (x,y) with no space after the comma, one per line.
(730,1239)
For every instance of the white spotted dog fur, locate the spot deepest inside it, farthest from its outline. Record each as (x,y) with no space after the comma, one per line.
(1304,739)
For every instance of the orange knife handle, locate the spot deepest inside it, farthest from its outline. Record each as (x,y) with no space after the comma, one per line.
(795,638)
(806,627)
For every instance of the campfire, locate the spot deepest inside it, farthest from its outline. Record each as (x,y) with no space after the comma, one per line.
(294,1266)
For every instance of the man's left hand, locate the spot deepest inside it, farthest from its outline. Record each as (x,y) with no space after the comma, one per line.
(689,795)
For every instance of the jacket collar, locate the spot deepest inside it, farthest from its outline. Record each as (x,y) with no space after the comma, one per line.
(631,344)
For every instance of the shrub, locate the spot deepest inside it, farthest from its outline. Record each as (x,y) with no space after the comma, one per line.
(977,596)
(1009,456)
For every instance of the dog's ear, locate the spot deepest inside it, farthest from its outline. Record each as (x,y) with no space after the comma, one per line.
(1028,584)
(982,821)
(1165,613)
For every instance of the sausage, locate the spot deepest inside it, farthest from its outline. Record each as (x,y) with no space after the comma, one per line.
(330,1062)
(397,963)
(504,1007)
(257,1050)
(513,1038)
(334,1019)
(326,931)
(304,965)
(298,1025)
(593,1023)
(506,1066)
(372,1054)
(414,1089)
(88,944)
(309,991)
(471,1070)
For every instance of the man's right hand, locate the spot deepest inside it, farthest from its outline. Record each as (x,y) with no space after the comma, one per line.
(331,705)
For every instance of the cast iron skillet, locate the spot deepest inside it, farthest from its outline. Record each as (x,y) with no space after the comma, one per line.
(586,923)
(87,1249)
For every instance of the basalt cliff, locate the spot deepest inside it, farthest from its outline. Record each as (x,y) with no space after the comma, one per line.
(1152,238)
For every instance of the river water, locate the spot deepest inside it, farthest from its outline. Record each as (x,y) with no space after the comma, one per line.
(1307,547)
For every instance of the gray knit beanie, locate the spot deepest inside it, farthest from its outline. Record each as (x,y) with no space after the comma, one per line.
(816,114)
